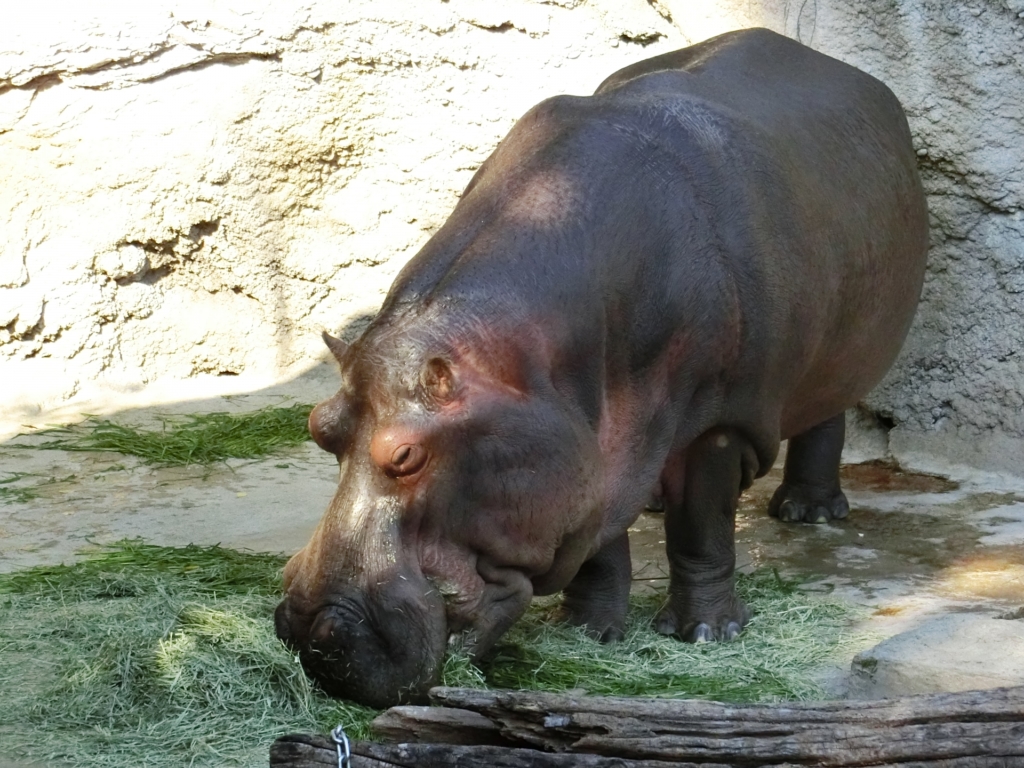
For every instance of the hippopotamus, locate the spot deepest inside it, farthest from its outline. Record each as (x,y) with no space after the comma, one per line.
(639,294)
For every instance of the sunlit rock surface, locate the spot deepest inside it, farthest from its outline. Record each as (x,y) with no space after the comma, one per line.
(954,652)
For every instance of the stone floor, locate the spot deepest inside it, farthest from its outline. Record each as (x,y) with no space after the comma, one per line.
(915,549)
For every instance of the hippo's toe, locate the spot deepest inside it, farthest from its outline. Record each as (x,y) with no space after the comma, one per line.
(612,635)
(709,626)
(606,626)
(797,503)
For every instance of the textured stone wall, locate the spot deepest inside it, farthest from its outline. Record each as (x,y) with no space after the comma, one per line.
(191,190)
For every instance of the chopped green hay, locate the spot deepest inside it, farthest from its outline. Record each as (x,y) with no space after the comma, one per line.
(792,638)
(196,439)
(160,656)
(155,656)
(130,568)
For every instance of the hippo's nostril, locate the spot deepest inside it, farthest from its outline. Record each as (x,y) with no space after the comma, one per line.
(377,649)
(322,631)
(282,624)
(398,452)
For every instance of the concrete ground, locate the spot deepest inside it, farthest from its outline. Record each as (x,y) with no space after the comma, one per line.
(915,550)
(937,563)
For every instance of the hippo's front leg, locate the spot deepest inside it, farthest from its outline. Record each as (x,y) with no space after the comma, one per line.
(701,489)
(598,596)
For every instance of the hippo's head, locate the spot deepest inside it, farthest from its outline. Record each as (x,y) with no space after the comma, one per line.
(467,485)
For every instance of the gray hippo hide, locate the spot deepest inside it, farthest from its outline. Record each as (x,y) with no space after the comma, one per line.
(641,292)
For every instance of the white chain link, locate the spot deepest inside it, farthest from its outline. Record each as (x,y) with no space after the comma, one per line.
(343,747)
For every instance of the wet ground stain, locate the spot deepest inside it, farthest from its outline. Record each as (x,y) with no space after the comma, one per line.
(919,531)
(883,477)
(66,502)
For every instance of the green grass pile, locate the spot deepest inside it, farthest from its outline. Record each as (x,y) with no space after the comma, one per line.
(152,656)
(158,656)
(781,655)
(194,439)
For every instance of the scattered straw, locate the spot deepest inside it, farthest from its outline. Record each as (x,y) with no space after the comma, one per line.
(159,656)
(195,439)
(14,494)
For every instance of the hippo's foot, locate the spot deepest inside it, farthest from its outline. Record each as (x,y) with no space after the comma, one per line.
(598,596)
(723,620)
(793,503)
(602,622)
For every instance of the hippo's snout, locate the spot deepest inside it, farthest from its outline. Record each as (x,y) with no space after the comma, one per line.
(380,649)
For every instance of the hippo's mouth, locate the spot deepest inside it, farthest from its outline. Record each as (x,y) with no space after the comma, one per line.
(358,657)
(377,650)
(478,615)
(464,643)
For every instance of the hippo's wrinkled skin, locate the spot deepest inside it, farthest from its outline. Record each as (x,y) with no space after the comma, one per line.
(642,291)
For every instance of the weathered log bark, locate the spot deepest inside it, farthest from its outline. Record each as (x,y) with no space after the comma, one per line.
(841,733)
(438,724)
(975,729)
(302,751)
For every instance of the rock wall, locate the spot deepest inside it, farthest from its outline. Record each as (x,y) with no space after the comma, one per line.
(192,191)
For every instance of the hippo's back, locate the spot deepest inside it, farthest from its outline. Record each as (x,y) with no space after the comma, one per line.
(767,77)
(808,179)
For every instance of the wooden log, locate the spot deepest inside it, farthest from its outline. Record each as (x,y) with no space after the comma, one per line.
(437,724)
(505,729)
(304,751)
(1005,704)
(955,726)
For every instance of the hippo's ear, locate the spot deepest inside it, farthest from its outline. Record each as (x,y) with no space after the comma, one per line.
(438,380)
(337,346)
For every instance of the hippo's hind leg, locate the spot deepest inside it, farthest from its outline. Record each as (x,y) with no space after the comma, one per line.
(810,483)
(701,490)
(598,596)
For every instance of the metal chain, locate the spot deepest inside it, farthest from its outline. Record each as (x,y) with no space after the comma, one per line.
(343,747)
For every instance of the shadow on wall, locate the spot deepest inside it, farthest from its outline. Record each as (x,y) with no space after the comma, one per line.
(202,394)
